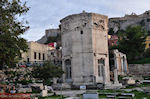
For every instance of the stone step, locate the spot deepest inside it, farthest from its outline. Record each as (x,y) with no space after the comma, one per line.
(128,94)
(123,97)
(110,96)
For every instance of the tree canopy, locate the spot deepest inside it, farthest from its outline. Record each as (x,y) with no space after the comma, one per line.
(11,43)
(47,71)
(132,42)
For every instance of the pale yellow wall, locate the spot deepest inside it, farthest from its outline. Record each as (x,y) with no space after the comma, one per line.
(147,42)
(38,48)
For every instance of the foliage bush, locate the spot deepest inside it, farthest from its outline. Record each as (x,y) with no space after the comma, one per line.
(140,61)
(24,82)
(47,72)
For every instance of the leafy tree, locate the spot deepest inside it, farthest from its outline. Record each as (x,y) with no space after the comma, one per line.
(11,43)
(47,71)
(132,42)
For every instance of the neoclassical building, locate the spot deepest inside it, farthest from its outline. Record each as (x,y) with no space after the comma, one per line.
(85,57)
(37,53)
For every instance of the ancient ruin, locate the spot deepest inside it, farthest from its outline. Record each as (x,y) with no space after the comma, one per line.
(85,49)
(120,61)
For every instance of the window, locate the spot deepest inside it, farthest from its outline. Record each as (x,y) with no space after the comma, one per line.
(68,69)
(101,64)
(39,56)
(43,56)
(34,55)
(20,56)
(99,70)
(52,53)
(70,72)
(28,60)
(81,32)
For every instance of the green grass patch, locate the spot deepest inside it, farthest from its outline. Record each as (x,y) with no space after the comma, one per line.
(140,95)
(144,85)
(102,96)
(146,77)
(130,87)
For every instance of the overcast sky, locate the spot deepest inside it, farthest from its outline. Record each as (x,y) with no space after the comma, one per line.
(45,14)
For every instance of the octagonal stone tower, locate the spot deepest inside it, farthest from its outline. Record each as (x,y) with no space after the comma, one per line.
(85,56)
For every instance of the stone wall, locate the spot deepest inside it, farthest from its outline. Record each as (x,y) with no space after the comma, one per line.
(85,48)
(41,51)
(139,69)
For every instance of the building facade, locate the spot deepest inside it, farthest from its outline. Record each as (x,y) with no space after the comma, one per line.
(37,53)
(85,57)
(112,40)
(120,62)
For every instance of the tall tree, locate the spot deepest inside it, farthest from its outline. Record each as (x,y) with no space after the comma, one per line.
(11,43)
(132,42)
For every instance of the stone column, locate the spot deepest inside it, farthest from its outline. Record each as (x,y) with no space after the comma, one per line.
(54,80)
(116,77)
(63,67)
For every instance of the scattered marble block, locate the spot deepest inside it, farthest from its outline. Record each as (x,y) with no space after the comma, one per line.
(72,98)
(12,91)
(128,94)
(114,86)
(35,98)
(146,81)
(66,86)
(90,96)
(131,82)
(83,87)
(44,93)
(40,85)
(24,90)
(50,88)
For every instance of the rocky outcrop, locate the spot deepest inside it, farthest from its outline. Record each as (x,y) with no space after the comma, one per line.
(43,40)
(49,33)
(119,23)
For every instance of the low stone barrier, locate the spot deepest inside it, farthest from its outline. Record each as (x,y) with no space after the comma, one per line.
(139,69)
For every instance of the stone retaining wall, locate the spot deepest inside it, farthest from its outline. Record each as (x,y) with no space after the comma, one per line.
(139,69)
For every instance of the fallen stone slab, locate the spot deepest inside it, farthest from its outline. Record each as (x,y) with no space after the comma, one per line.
(108,93)
(123,97)
(90,96)
(127,90)
(72,98)
(110,96)
(128,94)
(145,81)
